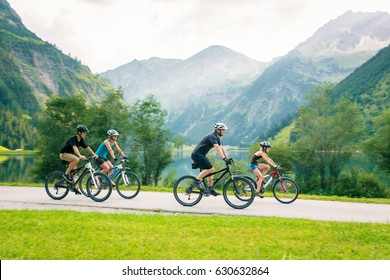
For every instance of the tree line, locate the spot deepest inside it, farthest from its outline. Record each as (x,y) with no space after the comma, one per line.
(324,138)
(141,128)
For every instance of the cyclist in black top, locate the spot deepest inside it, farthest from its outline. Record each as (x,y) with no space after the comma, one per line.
(70,152)
(208,142)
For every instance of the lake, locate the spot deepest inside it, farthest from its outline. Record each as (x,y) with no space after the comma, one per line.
(16,168)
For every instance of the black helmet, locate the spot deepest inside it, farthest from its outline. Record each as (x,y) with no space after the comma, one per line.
(265,144)
(82,128)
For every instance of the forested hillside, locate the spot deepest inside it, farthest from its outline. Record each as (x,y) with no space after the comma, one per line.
(368,86)
(32,70)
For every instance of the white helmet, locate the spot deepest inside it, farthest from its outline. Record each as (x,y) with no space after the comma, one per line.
(220,125)
(112,132)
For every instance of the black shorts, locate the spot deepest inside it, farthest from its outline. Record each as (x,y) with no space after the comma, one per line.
(100,160)
(202,161)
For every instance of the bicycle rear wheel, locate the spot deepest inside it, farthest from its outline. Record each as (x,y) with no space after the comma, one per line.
(56,186)
(285,190)
(185,193)
(239,192)
(128,184)
(243,196)
(99,187)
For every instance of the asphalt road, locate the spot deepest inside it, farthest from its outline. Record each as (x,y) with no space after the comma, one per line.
(165,203)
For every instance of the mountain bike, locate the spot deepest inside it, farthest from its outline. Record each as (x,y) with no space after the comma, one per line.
(238,191)
(57,187)
(127,182)
(284,189)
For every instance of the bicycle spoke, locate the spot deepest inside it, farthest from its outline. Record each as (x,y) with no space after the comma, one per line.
(285,190)
(99,187)
(128,184)
(56,186)
(239,192)
(185,192)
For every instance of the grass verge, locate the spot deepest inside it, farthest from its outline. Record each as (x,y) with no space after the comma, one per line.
(70,235)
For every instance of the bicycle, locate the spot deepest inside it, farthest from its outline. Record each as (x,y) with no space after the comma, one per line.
(57,187)
(284,189)
(127,183)
(235,189)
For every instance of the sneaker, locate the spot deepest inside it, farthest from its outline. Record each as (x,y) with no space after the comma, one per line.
(260,194)
(262,190)
(197,184)
(68,177)
(213,192)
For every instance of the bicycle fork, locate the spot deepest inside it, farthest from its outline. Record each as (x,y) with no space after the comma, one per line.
(92,172)
(282,184)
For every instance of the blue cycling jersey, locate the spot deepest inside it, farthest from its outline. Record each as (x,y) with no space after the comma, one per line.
(102,151)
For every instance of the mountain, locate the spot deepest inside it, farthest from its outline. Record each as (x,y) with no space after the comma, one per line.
(219,84)
(349,33)
(188,88)
(31,71)
(331,54)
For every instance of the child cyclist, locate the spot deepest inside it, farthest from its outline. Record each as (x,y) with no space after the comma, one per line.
(261,169)
(105,148)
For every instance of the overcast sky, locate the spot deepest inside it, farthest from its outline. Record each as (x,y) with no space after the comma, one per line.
(105,34)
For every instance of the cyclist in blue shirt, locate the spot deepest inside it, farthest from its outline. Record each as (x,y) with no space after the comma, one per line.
(208,142)
(105,148)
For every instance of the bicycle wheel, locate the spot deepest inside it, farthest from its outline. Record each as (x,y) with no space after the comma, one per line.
(285,190)
(239,192)
(99,187)
(244,195)
(56,186)
(128,184)
(184,193)
(81,182)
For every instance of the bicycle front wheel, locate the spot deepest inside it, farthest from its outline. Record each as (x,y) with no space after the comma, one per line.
(81,182)
(185,193)
(56,186)
(238,192)
(128,184)
(99,187)
(285,190)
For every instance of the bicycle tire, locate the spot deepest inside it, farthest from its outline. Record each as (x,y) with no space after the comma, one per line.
(80,183)
(254,183)
(239,192)
(56,186)
(127,184)
(102,191)
(184,193)
(290,194)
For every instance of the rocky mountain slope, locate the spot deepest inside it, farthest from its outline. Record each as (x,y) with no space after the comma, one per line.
(32,70)
(219,84)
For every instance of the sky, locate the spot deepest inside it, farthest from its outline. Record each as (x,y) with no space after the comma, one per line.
(105,34)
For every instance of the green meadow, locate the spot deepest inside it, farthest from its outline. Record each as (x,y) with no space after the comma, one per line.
(71,235)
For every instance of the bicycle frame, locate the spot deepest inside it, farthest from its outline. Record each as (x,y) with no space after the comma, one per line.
(225,171)
(120,169)
(272,177)
(87,168)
